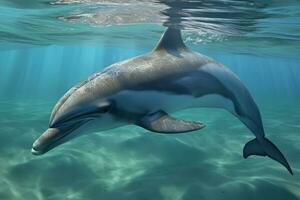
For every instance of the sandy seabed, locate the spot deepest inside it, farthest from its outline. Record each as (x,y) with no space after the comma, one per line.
(132,163)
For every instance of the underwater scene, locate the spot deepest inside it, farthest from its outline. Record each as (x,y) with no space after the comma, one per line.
(170,124)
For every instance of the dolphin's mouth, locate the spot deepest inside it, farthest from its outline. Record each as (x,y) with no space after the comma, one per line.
(44,143)
(37,152)
(53,137)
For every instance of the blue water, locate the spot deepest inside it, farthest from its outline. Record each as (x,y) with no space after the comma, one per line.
(48,46)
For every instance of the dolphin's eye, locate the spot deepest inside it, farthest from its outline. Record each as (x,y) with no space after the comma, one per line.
(105,109)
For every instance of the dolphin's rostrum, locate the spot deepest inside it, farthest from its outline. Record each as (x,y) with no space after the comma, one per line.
(144,89)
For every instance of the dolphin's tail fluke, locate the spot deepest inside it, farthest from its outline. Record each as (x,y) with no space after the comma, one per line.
(265,147)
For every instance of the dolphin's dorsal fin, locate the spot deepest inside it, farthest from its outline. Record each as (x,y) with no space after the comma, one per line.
(171,40)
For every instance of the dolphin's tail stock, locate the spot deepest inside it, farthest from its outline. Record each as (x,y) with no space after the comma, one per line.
(265,147)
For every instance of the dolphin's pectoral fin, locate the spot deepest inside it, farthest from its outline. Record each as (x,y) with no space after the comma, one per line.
(265,148)
(161,122)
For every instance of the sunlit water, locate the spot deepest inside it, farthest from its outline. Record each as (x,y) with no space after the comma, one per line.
(47,47)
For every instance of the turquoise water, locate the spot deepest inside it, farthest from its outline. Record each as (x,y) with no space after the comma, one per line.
(48,46)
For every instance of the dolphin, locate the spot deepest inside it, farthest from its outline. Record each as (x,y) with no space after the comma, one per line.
(144,90)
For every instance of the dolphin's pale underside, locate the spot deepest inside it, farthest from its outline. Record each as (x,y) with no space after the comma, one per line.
(144,90)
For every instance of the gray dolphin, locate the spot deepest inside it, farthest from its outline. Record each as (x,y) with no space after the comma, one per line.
(144,89)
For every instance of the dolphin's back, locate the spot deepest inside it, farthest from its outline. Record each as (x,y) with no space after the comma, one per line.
(158,66)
